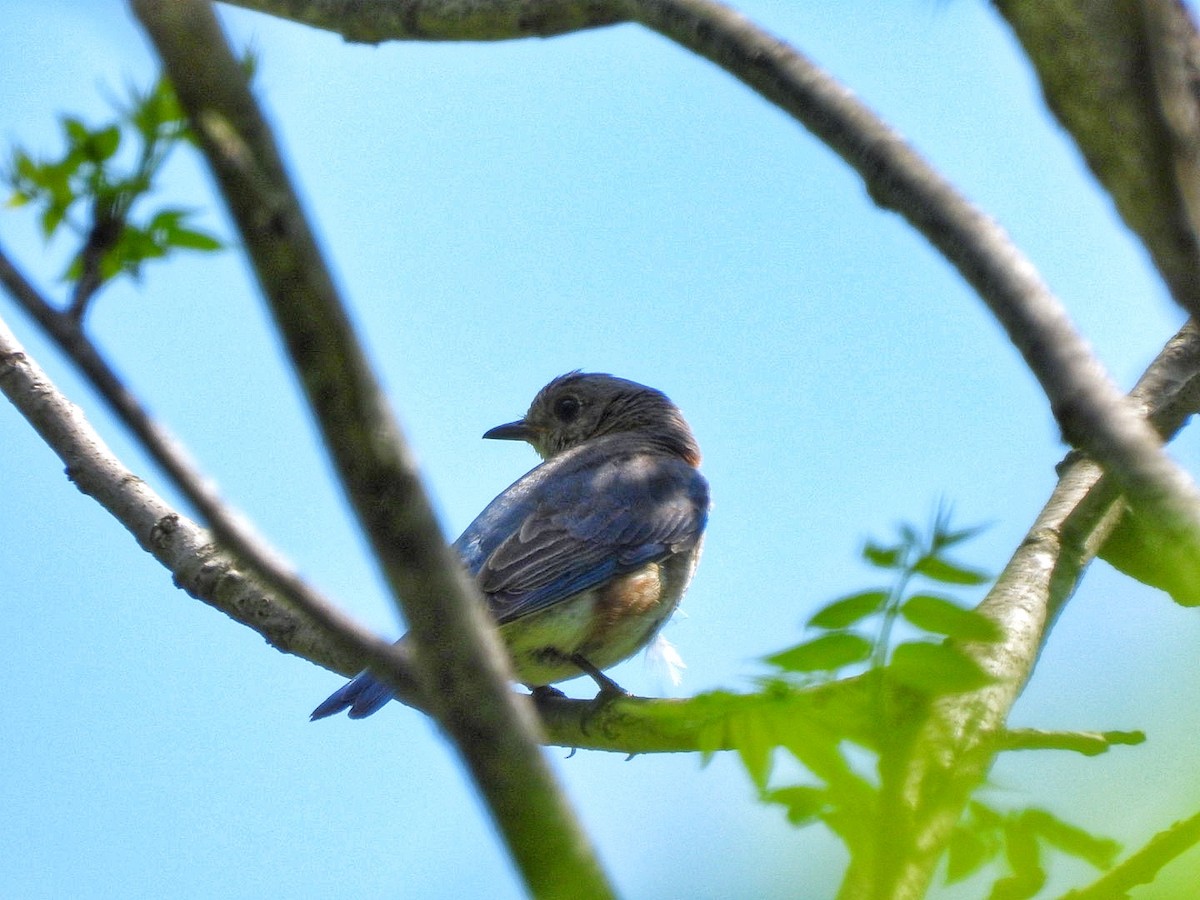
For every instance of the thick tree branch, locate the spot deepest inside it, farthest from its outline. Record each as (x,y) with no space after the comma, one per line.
(443,20)
(459,654)
(1099,65)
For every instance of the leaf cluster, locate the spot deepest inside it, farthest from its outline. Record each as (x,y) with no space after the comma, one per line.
(843,732)
(90,189)
(1020,839)
(930,663)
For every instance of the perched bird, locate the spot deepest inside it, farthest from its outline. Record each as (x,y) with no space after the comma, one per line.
(584,558)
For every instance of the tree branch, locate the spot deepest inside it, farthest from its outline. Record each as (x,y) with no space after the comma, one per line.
(1143,866)
(443,20)
(1089,743)
(188,551)
(1091,412)
(1133,62)
(458,652)
(930,776)
(347,639)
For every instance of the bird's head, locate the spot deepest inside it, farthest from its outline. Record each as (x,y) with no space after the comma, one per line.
(579,406)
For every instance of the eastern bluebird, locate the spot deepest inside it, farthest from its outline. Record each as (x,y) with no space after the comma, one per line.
(584,558)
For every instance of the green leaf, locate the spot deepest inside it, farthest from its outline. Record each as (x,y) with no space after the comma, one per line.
(190,239)
(936,669)
(804,804)
(1024,855)
(77,133)
(966,853)
(944,539)
(52,216)
(751,738)
(883,557)
(23,168)
(940,615)
(938,569)
(169,217)
(1143,551)
(983,816)
(845,611)
(103,144)
(823,654)
(1071,839)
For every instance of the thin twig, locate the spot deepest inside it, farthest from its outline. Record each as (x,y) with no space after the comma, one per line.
(1089,743)
(1143,866)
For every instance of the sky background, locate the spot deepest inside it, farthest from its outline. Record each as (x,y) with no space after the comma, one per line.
(497,215)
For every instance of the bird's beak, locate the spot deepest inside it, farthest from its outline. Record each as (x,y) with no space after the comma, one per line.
(510,431)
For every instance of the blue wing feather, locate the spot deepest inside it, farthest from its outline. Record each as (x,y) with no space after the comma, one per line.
(583,518)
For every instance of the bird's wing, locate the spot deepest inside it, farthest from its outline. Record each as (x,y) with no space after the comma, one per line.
(564,529)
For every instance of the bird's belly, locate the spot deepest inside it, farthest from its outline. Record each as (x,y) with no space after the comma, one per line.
(604,625)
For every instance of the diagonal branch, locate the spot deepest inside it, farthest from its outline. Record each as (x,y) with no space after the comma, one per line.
(1118,77)
(1143,866)
(928,781)
(1090,410)
(198,565)
(346,637)
(458,652)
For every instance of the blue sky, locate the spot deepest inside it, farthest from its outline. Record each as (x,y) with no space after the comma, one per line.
(497,215)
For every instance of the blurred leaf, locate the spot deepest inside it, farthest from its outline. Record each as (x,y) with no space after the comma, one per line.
(77,133)
(1142,552)
(103,144)
(944,539)
(1070,839)
(966,853)
(845,611)
(936,669)
(823,654)
(74,270)
(938,569)
(940,615)
(751,739)
(1024,856)
(883,557)
(984,816)
(804,804)
(168,217)
(189,239)
(52,216)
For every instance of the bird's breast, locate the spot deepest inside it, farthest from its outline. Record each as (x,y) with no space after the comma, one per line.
(604,625)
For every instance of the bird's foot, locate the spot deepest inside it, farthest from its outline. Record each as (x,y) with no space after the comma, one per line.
(609,693)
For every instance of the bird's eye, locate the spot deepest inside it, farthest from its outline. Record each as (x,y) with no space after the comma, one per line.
(566,408)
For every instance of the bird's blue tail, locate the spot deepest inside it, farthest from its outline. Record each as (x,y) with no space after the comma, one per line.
(362,695)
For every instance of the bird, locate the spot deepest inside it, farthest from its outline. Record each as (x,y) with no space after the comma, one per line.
(583,559)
